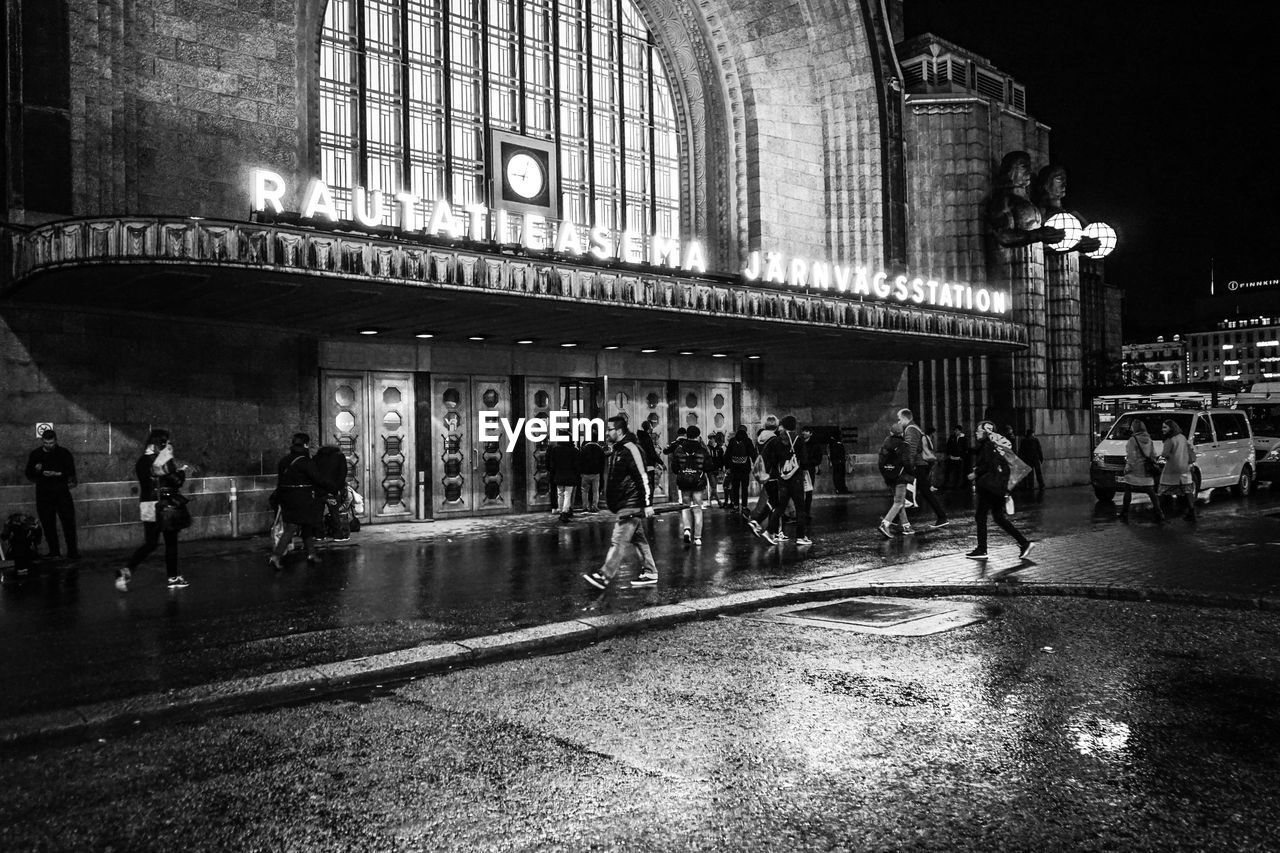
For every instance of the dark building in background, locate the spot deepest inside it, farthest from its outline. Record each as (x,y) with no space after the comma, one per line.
(174,262)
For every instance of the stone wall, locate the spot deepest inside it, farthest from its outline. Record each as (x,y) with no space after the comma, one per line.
(231,396)
(174,100)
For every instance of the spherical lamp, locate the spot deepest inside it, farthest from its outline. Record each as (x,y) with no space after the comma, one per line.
(1070,228)
(1105,235)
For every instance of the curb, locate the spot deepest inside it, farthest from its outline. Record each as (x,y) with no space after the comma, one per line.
(308,683)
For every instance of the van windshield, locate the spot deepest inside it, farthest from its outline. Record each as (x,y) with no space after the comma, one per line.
(1122,429)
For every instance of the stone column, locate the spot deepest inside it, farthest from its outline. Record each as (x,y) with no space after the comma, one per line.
(1065,338)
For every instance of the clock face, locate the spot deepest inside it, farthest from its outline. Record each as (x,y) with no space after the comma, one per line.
(524,175)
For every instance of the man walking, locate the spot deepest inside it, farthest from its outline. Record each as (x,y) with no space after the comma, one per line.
(626,493)
(920,467)
(591,467)
(768,497)
(990,478)
(53,469)
(1030,452)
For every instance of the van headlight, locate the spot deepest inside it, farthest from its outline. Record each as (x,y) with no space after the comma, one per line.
(1273,456)
(1097,458)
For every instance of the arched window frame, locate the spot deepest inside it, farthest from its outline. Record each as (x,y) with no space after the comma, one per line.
(598,165)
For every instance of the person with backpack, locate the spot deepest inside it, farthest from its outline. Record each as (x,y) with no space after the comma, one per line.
(690,460)
(921,457)
(716,470)
(740,454)
(990,478)
(785,459)
(898,473)
(768,485)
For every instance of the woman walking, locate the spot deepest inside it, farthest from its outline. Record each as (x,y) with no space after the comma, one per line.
(158,476)
(1178,456)
(990,477)
(1139,467)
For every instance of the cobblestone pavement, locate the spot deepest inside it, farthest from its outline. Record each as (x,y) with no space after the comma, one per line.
(450,587)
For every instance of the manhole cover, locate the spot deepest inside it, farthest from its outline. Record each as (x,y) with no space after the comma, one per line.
(880,615)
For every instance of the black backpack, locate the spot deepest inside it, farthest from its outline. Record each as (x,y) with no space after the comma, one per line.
(893,459)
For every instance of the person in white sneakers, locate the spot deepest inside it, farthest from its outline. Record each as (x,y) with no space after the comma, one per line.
(157,474)
(690,460)
(897,471)
(626,493)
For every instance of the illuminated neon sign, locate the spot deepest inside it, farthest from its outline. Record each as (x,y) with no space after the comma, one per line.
(370,208)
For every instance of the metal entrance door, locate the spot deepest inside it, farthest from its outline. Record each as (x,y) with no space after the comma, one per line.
(709,406)
(369,415)
(469,477)
(643,400)
(540,397)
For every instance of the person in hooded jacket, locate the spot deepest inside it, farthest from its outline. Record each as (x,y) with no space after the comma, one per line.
(626,493)
(990,478)
(768,484)
(739,455)
(301,490)
(1179,456)
(778,455)
(690,460)
(1139,453)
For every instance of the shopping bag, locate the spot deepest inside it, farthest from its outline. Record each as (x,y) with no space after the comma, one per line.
(277,529)
(1017,468)
(1008,504)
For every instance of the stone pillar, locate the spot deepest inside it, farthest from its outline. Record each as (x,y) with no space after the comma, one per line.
(1065,338)
(1026,372)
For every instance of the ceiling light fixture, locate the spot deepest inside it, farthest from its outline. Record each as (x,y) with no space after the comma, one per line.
(425,335)
(368,331)
(476,338)
(612,346)
(719,355)
(753,356)
(524,341)
(568,344)
(648,350)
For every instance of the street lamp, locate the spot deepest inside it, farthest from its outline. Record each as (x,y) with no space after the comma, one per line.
(1070,228)
(1106,237)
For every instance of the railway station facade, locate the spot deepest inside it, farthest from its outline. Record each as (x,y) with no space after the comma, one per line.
(370,220)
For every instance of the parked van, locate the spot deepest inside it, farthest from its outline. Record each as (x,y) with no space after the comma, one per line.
(1222,438)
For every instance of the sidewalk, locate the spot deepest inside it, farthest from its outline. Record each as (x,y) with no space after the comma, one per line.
(407,600)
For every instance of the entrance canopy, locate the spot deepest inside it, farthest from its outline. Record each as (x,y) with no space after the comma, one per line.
(338,284)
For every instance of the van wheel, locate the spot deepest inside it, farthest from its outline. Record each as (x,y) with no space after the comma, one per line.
(1244,486)
(1104,495)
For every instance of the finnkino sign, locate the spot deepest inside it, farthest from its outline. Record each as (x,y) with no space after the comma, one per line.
(484,225)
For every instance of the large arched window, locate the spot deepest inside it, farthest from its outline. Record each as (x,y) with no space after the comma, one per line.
(411,89)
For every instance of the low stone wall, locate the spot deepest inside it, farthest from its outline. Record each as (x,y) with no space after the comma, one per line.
(107,513)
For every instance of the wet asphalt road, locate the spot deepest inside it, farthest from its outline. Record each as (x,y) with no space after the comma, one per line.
(1055,725)
(68,638)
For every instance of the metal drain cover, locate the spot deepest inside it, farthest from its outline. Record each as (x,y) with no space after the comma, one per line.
(899,617)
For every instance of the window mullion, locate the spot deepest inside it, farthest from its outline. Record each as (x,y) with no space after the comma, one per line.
(406,145)
(589,127)
(362,99)
(522,95)
(620,81)
(653,147)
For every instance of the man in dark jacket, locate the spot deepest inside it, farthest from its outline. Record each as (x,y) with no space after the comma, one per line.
(812,459)
(837,454)
(626,493)
(300,490)
(562,468)
(590,470)
(1030,452)
(53,469)
(778,454)
(739,455)
(648,445)
(990,478)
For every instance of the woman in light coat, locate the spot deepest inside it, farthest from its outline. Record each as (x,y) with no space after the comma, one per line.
(1137,452)
(1178,455)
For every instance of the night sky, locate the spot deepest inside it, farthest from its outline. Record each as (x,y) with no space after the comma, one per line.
(1164,115)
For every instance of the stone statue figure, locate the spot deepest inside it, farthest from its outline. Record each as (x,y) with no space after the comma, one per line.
(1012,218)
(1051,189)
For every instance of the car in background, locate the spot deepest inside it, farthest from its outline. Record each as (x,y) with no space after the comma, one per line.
(1267,449)
(1222,438)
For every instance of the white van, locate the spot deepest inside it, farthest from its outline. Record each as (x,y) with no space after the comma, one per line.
(1222,437)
